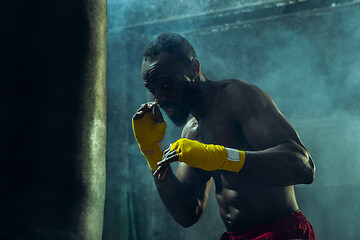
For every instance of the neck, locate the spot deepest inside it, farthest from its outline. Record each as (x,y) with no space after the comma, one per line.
(203,96)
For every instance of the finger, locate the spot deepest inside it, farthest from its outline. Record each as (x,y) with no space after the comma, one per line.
(139,114)
(141,111)
(143,106)
(157,113)
(147,107)
(166,151)
(168,154)
(164,172)
(150,106)
(159,171)
(169,159)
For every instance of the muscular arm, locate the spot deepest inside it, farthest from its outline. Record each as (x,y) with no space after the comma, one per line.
(279,158)
(185,195)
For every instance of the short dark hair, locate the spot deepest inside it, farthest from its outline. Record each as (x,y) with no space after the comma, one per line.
(172,43)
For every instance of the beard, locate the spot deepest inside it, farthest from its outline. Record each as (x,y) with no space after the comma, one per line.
(179,110)
(180,117)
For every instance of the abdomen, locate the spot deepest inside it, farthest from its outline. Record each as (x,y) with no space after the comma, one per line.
(245,203)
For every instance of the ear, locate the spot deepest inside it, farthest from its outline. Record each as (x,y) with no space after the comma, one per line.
(195,68)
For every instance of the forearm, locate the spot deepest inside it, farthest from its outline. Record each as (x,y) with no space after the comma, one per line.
(180,201)
(283,165)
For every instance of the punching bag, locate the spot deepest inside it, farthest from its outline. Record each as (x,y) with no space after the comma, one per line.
(52,119)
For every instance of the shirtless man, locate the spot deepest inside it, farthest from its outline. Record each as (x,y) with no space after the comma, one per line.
(237,138)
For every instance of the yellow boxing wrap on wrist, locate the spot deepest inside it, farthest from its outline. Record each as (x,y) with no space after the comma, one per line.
(148,134)
(208,156)
(153,155)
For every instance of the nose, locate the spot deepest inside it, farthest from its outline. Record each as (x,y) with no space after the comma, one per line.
(160,98)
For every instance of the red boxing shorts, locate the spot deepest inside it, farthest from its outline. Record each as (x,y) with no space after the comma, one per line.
(292,226)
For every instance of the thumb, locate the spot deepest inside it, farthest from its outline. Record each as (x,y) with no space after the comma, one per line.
(157,114)
(174,146)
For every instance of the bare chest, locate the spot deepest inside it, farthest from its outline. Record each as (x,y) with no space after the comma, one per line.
(217,128)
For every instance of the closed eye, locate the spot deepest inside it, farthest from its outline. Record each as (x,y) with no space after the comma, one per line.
(165,85)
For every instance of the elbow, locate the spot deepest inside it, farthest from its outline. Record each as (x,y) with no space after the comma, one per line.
(189,219)
(305,167)
(309,176)
(304,174)
(186,222)
(308,169)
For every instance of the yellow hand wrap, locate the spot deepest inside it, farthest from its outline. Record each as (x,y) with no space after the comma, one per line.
(208,156)
(149,133)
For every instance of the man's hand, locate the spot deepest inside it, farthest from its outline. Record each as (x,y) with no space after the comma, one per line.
(148,125)
(168,157)
(147,108)
(149,129)
(205,156)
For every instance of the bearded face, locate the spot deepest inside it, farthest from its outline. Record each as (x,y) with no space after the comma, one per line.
(166,78)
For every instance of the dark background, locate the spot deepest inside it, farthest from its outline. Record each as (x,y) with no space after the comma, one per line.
(305,54)
(52,119)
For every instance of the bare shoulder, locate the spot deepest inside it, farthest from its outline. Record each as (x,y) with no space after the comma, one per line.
(245,97)
(190,129)
(253,109)
(241,90)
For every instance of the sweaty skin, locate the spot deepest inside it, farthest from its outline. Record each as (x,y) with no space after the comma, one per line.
(234,114)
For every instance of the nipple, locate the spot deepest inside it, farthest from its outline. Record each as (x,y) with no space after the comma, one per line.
(228,218)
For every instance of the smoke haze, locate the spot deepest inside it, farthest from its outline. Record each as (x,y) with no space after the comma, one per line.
(305,54)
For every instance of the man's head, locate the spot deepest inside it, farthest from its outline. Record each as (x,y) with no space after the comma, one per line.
(168,70)
(172,43)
